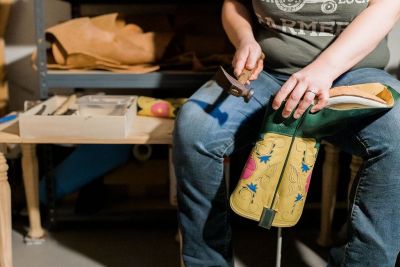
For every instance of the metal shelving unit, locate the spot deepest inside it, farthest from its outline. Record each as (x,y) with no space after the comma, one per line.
(185,80)
(189,80)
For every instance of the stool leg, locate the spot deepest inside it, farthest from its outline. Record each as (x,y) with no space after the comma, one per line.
(330,173)
(182,264)
(279,248)
(354,167)
(172,179)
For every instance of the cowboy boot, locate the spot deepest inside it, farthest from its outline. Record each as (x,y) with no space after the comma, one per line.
(274,183)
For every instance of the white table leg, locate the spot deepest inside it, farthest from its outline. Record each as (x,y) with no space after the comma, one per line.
(31,181)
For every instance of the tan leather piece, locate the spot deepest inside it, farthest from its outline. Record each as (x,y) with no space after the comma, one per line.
(86,62)
(111,23)
(387,96)
(368,91)
(143,68)
(104,42)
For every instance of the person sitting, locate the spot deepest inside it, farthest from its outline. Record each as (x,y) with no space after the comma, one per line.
(310,47)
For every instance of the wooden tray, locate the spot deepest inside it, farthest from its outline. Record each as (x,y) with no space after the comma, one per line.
(75,126)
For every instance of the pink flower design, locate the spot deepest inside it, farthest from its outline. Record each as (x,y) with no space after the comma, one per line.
(308,181)
(249,168)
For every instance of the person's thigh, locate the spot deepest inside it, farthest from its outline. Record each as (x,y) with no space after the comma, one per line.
(208,127)
(221,121)
(374,238)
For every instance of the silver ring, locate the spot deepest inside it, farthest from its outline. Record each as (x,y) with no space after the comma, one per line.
(311,91)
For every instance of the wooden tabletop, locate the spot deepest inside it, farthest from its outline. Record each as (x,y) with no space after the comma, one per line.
(151,131)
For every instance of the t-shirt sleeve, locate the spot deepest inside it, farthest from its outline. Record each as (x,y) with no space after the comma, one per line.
(247,3)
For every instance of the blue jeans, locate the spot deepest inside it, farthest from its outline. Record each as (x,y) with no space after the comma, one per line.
(212,125)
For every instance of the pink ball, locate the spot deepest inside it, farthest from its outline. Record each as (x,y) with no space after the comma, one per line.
(160,109)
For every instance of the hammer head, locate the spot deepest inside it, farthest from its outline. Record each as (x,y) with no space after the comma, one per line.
(232,85)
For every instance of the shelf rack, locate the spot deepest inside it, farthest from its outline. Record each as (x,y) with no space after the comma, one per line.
(188,80)
(152,130)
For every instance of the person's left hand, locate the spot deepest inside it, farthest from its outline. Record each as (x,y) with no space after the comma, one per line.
(302,88)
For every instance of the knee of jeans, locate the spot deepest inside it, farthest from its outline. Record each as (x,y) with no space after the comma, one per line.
(387,135)
(190,127)
(195,132)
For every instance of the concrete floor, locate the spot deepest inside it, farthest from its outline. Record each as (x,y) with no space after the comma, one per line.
(150,245)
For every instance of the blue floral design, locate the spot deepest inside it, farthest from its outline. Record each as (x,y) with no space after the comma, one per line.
(252,187)
(264,159)
(298,198)
(304,167)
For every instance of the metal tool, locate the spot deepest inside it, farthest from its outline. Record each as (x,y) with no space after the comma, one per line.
(233,86)
(65,106)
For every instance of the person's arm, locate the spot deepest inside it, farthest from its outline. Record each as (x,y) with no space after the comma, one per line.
(359,39)
(236,19)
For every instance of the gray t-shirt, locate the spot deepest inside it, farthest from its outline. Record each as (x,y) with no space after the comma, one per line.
(292,33)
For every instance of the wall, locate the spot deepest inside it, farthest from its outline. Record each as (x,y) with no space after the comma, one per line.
(20,39)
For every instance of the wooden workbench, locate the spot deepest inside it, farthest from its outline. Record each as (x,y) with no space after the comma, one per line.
(150,131)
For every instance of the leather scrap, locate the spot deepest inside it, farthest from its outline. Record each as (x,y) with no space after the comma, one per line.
(105,43)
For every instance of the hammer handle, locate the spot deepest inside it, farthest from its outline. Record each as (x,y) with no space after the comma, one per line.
(244,76)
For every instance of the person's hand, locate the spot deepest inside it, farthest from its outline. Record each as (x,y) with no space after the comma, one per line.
(248,55)
(301,89)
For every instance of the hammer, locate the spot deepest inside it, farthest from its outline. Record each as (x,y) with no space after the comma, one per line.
(237,86)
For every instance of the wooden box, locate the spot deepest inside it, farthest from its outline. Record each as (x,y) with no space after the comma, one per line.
(75,126)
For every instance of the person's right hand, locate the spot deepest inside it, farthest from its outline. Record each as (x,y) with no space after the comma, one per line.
(248,55)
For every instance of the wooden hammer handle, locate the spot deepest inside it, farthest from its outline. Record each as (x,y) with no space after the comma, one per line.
(246,74)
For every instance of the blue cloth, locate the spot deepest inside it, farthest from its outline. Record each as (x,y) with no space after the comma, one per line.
(83,165)
(212,125)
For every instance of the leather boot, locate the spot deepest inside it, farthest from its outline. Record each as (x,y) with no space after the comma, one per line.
(276,177)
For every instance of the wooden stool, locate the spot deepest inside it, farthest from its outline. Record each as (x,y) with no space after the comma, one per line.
(330,175)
